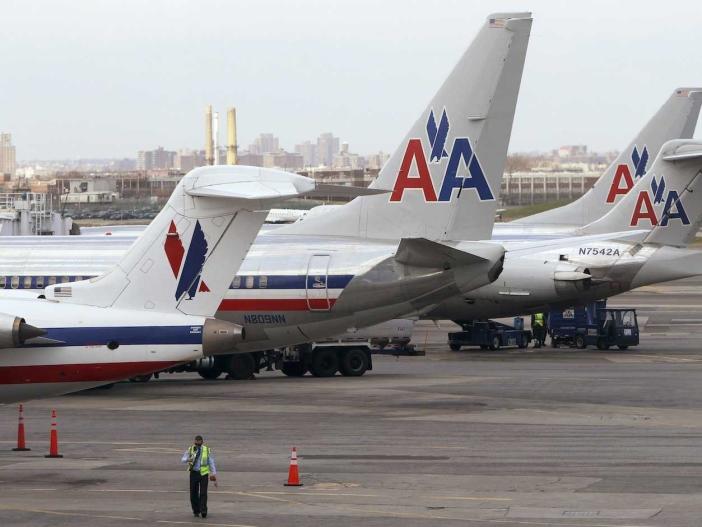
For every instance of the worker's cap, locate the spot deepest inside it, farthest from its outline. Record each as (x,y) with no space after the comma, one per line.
(198,438)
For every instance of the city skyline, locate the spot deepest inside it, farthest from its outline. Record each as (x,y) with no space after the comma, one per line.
(126,79)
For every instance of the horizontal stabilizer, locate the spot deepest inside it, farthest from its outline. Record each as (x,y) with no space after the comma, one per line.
(344,191)
(248,184)
(685,153)
(421,252)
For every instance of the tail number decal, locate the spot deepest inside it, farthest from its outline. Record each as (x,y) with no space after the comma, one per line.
(463,170)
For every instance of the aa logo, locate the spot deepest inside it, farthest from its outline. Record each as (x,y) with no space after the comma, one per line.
(648,203)
(623,181)
(189,272)
(462,171)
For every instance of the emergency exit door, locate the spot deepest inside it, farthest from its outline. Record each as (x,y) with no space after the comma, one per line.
(316,285)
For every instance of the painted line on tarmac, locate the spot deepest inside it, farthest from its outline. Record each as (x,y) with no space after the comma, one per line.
(64,513)
(469,498)
(141,490)
(174,522)
(315,493)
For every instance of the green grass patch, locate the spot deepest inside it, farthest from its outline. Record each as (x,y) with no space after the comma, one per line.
(514,213)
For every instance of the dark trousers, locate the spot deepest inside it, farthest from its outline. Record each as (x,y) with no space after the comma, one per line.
(198,492)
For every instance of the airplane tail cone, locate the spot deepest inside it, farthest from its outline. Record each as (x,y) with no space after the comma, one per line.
(293,472)
(53,438)
(27,331)
(21,445)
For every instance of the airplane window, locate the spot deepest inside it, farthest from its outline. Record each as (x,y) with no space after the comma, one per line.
(27,282)
(40,282)
(52,280)
(236,283)
(262,282)
(249,282)
(14,282)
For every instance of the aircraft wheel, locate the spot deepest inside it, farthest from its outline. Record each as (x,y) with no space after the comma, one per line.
(580,342)
(325,363)
(141,378)
(210,374)
(240,367)
(354,363)
(294,369)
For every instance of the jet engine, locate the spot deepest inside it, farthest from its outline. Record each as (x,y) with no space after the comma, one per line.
(220,337)
(14,331)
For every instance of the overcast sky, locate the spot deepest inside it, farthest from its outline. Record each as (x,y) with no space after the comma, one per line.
(105,78)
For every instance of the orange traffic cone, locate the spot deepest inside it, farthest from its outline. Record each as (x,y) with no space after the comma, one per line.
(21,446)
(293,472)
(53,437)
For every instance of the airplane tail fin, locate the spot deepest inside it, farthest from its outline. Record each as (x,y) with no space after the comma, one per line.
(665,200)
(676,119)
(185,260)
(453,154)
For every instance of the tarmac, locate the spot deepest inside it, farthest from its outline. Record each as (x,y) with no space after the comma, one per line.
(549,437)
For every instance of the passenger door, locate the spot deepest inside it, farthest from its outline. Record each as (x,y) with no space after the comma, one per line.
(316,283)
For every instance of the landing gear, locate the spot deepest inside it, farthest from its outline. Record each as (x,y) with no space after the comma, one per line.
(294,369)
(240,366)
(141,378)
(354,363)
(325,363)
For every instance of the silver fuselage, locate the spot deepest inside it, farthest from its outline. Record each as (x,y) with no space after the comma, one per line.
(289,289)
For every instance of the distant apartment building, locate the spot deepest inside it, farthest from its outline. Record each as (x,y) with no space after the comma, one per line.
(250,159)
(327,147)
(376,161)
(264,144)
(308,151)
(282,159)
(8,162)
(156,159)
(572,151)
(186,160)
(345,159)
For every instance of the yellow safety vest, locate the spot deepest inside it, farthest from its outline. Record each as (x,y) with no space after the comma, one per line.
(539,319)
(204,459)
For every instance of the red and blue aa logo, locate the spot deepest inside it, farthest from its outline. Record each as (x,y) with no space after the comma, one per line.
(463,170)
(623,181)
(188,272)
(644,209)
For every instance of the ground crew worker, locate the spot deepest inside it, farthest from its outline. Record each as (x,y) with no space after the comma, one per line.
(538,328)
(201,468)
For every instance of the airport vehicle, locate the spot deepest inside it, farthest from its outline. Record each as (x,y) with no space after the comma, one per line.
(155,307)
(594,325)
(295,289)
(489,334)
